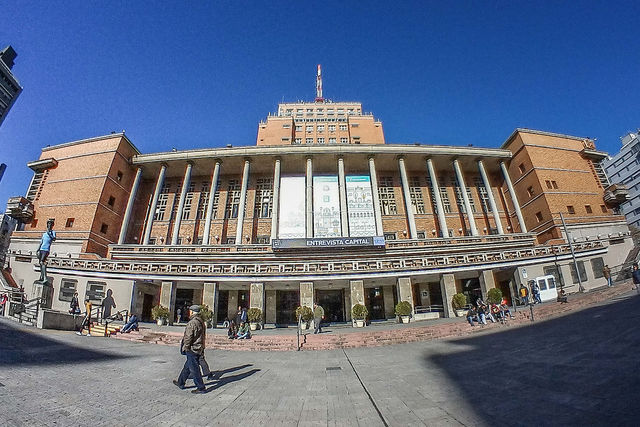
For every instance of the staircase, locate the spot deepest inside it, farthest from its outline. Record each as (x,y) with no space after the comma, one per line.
(104,331)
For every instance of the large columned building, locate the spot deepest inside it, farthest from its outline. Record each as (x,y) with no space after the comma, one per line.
(322,209)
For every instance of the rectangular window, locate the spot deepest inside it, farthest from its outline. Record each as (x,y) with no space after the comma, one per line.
(548,184)
(343,127)
(264,198)
(203,201)
(112,201)
(297,141)
(417,201)
(588,208)
(460,199)
(355,125)
(484,196)
(530,192)
(233,199)
(344,140)
(603,208)
(320,128)
(186,210)
(387,196)
(421,235)
(539,216)
(310,128)
(583,272)
(597,265)
(332,128)
(332,140)
(554,184)
(552,271)
(309,140)
(571,209)
(67,289)
(95,291)
(231,241)
(389,236)
(263,240)
(444,196)
(286,125)
(119,176)
(321,140)
(521,168)
(298,128)
(69,223)
(103,228)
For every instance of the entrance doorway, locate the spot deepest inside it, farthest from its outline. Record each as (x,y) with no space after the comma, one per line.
(332,301)
(506,290)
(435,293)
(471,288)
(374,300)
(147,305)
(184,300)
(286,304)
(243,299)
(223,306)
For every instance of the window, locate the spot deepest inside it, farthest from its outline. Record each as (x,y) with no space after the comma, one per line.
(548,184)
(421,235)
(444,196)
(583,272)
(263,240)
(95,291)
(539,216)
(554,184)
(417,201)
(119,176)
(355,125)
(112,201)
(231,241)
(530,191)
(69,223)
(298,141)
(161,207)
(571,209)
(233,199)
(321,140)
(389,236)
(285,139)
(521,168)
(552,271)
(152,241)
(343,127)
(286,125)
(387,196)
(603,208)
(597,265)
(320,128)
(310,128)
(104,228)
(309,140)
(332,128)
(186,210)
(332,140)
(264,198)
(484,196)
(344,140)
(298,128)
(203,201)
(460,199)
(67,289)
(588,208)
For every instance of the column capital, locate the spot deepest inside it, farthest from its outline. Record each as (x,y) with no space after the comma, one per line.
(190,163)
(217,160)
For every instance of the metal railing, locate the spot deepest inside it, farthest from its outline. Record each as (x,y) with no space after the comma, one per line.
(433,308)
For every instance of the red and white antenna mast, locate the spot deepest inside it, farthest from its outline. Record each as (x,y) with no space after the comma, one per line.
(319,97)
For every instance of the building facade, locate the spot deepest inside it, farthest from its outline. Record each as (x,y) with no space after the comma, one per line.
(10,88)
(290,221)
(624,168)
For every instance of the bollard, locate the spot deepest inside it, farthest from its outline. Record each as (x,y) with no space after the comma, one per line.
(531,309)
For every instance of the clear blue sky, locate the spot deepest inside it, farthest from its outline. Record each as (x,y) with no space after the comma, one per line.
(202,74)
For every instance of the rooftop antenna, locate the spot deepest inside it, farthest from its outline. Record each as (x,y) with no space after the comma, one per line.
(319,97)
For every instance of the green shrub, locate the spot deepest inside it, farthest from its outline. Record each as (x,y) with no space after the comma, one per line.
(403,308)
(160,312)
(254,315)
(206,313)
(459,301)
(359,312)
(494,296)
(306,312)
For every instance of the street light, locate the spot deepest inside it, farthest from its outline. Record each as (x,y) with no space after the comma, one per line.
(573,254)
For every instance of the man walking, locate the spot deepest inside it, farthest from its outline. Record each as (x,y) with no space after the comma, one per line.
(86,322)
(318,315)
(524,294)
(635,276)
(606,272)
(192,346)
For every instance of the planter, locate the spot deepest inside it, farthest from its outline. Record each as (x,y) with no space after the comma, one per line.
(404,319)
(460,313)
(253,326)
(304,326)
(359,323)
(160,322)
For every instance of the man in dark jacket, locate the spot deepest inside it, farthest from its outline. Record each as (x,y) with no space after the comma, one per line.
(193,343)
(635,275)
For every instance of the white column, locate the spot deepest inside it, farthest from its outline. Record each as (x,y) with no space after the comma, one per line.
(212,194)
(514,198)
(309,198)
(465,198)
(243,198)
(376,198)
(127,212)
(275,210)
(492,200)
(442,220)
(154,204)
(407,199)
(183,195)
(342,188)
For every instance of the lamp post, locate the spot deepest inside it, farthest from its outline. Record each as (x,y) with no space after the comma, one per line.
(573,254)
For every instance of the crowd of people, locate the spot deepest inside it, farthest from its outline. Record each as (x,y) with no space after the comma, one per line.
(481,312)
(238,327)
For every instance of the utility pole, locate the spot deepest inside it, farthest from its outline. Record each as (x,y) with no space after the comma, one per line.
(573,254)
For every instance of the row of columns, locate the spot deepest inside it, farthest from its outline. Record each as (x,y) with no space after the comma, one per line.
(441,217)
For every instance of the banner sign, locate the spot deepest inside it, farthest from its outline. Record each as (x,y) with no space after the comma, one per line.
(326,207)
(291,221)
(362,221)
(375,242)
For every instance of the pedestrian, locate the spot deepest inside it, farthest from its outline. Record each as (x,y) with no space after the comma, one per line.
(3,302)
(238,317)
(86,322)
(606,272)
(536,292)
(318,315)
(179,315)
(192,346)
(524,294)
(74,304)
(635,276)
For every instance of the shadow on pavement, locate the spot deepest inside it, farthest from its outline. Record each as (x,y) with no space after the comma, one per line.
(22,347)
(218,374)
(232,378)
(581,369)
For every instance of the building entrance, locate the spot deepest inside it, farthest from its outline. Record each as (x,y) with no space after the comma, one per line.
(147,305)
(332,301)
(374,300)
(184,300)
(243,299)
(223,306)
(435,294)
(286,304)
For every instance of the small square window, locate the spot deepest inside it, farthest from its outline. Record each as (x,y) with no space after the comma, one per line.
(355,125)
(521,168)
(231,240)
(571,209)
(309,140)
(69,222)
(555,184)
(548,184)
(539,216)
(422,235)
(119,176)
(103,228)
(588,208)
(112,201)
(603,208)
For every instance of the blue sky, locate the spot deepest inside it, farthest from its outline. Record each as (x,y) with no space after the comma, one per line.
(202,74)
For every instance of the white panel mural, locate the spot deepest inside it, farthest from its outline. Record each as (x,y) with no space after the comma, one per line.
(291,223)
(326,207)
(362,221)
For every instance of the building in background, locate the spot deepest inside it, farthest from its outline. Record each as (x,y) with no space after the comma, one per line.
(7,226)
(289,221)
(624,168)
(10,87)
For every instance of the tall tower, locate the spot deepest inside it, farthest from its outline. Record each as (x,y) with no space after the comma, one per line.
(10,88)
(319,97)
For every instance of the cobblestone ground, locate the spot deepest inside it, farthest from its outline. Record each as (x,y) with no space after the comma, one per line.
(580,369)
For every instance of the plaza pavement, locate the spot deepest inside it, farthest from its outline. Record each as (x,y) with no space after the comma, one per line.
(579,369)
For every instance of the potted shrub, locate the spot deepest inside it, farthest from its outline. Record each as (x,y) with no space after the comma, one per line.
(306,313)
(458,302)
(403,309)
(254,315)
(359,313)
(160,314)
(494,296)
(207,315)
